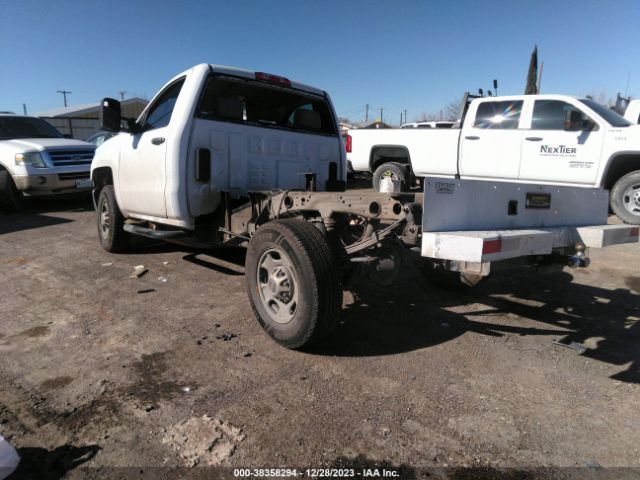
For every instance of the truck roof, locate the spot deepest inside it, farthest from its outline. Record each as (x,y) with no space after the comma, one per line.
(243,72)
(544,96)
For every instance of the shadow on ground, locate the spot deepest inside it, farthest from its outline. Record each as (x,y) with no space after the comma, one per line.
(53,464)
(413,315)
(36,213)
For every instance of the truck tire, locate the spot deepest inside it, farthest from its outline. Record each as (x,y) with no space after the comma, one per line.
(293,282)
(110,222)
(11,199)
(396,170)
(456,281)
(625,198)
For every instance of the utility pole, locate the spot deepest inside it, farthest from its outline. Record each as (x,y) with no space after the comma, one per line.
(366,112)
(405,115)
(122,94)
(400,118)
(64,93)
(24,108)
(380,114)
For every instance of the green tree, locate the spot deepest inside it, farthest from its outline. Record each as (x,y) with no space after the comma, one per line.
(532,74)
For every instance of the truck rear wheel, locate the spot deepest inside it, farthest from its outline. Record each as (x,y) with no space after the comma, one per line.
(11,199)
(396,171)
(448,280)
(111,232)
(293,282)
(625,198)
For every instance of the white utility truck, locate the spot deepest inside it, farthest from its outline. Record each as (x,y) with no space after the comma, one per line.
(548,139)
(229,157)
(35,159)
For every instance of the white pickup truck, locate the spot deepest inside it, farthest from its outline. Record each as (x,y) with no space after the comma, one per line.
(548,139)
(35,159)
(229,157)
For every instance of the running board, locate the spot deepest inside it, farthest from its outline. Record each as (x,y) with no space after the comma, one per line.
(151,233)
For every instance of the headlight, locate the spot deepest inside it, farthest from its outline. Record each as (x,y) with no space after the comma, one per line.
(33,159)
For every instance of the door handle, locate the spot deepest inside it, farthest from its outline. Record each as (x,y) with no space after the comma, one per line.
(534,139)
(472,137)
(157,140)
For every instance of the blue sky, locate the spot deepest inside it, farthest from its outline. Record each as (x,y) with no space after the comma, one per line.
(414,55)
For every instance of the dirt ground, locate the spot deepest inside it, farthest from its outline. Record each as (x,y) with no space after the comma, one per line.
(103,375)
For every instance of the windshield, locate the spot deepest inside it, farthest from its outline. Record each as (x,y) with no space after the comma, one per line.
(26,127)
(615,119)
(255,103)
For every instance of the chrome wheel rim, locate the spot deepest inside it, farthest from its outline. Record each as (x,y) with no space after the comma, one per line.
(631,199)
(277,285)
(105,219)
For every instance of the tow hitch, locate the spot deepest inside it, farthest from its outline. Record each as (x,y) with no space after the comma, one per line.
(579,259)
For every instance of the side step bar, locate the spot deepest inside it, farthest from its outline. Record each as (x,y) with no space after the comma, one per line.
(151,233)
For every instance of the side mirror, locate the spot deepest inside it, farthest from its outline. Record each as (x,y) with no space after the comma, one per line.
(573,121)
(110,115)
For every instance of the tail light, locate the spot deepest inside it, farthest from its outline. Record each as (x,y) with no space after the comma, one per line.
(267,77)
(347,144)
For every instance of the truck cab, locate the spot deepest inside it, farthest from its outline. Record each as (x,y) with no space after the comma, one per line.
(214,129)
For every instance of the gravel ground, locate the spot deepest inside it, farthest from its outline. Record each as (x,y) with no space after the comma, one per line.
(102,373)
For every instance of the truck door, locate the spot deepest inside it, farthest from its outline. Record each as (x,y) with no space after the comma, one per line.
(490,141)
(553,151)
(142,163)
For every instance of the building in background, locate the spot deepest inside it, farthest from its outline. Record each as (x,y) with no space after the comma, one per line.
(82,121)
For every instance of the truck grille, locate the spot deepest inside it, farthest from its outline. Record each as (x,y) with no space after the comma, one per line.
(70,158)
(73,176)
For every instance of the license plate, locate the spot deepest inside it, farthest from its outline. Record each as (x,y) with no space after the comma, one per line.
(83,183)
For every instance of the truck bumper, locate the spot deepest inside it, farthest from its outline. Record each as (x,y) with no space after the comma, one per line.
(52,184)
(492,246)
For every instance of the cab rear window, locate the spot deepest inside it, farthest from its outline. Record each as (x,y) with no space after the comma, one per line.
(256,103)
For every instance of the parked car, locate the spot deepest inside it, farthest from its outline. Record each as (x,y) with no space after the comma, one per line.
(99,138)
(549,139)
(35,159)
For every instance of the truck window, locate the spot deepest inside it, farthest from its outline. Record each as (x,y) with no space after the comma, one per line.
(614,118)
(498,115)
(250,102)
(160,111)
(550,114)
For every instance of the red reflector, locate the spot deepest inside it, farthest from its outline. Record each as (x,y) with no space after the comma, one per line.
(267,77)
(492,246)
(347,144)
(634,232)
